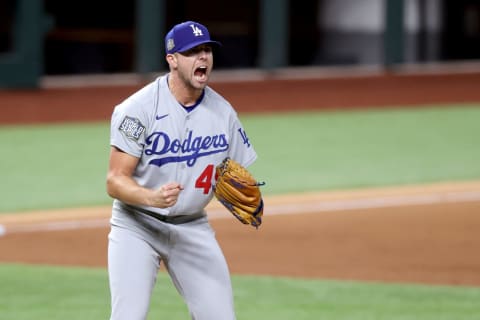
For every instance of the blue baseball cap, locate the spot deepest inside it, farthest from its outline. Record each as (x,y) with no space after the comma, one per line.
(186,35)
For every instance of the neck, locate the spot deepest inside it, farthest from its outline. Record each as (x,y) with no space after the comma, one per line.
(184,94)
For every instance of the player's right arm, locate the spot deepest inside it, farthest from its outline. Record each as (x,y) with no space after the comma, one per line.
(121,185)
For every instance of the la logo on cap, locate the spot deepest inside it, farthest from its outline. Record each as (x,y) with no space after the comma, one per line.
(186,35)
(197,32)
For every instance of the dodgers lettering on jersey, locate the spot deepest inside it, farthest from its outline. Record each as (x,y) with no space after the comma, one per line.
(175,145)
(188,150)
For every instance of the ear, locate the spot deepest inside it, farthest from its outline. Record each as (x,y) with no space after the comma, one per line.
(171,60)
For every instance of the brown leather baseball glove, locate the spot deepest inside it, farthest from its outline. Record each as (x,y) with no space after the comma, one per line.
(239,192)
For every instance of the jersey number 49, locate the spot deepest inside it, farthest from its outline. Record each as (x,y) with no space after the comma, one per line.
(204,181)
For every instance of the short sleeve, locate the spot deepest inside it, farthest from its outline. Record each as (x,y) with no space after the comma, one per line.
(127,131)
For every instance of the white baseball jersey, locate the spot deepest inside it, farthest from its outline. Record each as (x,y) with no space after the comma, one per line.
(174,144)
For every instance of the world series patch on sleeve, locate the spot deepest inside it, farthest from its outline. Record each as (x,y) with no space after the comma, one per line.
(132,128)
(239,192)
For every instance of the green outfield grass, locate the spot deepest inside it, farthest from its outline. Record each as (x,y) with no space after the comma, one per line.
(50,293)
(56,166)
(338,150)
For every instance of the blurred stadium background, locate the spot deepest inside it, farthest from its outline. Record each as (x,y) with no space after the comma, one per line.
(42,38)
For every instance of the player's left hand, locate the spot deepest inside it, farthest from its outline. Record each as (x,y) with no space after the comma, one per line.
(239,192)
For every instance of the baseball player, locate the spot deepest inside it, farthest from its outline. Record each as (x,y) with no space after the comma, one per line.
(166,140)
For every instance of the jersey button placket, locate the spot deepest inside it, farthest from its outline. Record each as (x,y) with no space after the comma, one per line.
(187,129)
(182,166)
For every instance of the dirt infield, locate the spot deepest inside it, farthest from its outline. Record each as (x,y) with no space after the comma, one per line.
(425,234)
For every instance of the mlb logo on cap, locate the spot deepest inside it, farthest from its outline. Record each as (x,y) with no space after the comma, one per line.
(185,36)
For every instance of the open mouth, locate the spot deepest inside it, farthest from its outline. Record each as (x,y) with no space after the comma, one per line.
(201,72)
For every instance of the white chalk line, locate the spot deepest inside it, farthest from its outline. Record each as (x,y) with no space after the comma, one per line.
(277,209)
(377,202)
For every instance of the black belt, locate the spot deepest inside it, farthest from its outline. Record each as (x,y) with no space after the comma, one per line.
(180,219)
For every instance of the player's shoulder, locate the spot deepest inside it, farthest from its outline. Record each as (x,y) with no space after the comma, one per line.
(217,101)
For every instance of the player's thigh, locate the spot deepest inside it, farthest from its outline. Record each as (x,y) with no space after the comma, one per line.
(200,273)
